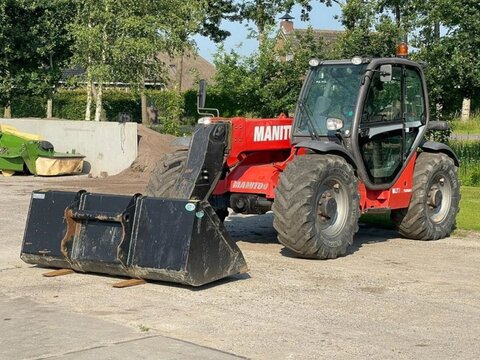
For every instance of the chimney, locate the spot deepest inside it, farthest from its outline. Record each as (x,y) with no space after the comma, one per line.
(286,25)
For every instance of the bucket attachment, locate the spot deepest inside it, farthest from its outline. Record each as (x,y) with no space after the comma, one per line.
(180,241)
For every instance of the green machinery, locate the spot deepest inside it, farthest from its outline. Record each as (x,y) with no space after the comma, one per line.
(23,152)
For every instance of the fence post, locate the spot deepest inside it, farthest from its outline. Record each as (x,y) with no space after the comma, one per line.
(49,109)
(465,109)
(7,111)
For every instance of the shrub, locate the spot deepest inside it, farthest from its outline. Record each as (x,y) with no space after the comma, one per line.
(29,106)
(170,104)
(70,104)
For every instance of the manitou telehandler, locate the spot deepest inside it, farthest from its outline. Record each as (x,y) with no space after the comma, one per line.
(356,145)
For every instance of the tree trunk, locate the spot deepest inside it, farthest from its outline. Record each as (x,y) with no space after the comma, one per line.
(260,22)
(7,112)
(49,108)
(98,102)
(145,117)
(465,109)
(180,78)
(398,16)
(436,30)
(88,109)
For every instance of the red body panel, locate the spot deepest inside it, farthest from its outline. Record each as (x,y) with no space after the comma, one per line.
(253,135)
(397,197)
(260,150)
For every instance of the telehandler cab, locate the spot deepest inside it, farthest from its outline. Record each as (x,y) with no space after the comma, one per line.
(356,145)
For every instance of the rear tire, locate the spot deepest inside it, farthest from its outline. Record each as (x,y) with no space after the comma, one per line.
(316,207)
(163,178)
(433,208)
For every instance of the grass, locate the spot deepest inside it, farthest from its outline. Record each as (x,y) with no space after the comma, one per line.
(471,126)
(467,219)
(469,154)
(143,328)
(469,216)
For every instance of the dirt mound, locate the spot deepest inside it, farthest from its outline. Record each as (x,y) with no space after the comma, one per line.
(151,146)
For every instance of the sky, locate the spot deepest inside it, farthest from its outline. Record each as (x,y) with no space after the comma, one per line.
(321,17)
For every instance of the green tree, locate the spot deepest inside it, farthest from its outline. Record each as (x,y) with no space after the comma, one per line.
(35,46)
(368,32)
(216,12)
(262,84)
(118,40)
(448,39)
(263,13)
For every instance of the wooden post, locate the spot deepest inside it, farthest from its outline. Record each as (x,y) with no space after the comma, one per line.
(7,111)
(49,108)
(465,109)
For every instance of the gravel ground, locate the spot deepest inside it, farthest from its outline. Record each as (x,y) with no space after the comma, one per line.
(389,298)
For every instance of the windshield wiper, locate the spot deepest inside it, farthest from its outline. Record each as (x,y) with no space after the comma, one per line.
(310,124)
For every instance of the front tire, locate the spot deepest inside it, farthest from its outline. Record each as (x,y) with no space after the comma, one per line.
(433,208)
(316,207)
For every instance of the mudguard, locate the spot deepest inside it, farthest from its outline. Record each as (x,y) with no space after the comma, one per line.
(328,147)
(433,146)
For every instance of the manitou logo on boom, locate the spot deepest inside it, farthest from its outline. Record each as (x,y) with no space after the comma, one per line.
(272,133)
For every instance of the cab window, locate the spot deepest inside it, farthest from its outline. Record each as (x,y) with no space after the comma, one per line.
(384,99)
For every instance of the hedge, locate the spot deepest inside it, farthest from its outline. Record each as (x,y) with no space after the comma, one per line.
(215,99)
(70,104)
(25,106)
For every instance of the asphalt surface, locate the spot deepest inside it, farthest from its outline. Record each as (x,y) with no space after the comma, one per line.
(388,298)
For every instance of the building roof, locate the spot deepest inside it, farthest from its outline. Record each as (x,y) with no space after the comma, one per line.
(328,36)
(325,35)
(183,71)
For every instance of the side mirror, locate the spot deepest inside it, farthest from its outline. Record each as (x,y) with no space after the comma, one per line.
(386,73)
(202,94)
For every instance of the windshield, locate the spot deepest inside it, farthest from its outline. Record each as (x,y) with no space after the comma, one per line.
(331,92)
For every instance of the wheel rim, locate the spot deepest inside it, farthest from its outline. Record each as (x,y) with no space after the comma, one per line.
(332,207)
(439,198)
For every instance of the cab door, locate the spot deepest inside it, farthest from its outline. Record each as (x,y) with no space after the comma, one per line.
(393,113)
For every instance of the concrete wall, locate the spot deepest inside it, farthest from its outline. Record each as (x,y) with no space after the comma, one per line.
(108,146)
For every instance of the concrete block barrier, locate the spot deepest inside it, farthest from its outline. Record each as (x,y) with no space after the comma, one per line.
(109,147)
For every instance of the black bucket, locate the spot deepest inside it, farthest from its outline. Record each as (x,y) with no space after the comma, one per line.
(180,241)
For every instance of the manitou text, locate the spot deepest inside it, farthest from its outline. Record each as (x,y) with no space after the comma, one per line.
(272,133)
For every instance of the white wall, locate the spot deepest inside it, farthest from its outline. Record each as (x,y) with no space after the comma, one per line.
(108,146)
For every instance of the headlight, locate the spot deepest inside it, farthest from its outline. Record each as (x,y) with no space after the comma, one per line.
(205,120)
(357,60)
(314,62)
(334,124)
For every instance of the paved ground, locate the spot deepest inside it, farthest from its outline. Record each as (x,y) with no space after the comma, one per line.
(389,298)
(470,137)
(34,331)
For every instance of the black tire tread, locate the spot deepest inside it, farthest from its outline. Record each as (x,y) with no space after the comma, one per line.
(294,215)
(413,222)
(168,169)
(166,173)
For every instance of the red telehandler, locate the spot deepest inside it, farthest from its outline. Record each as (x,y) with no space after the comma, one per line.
(356,145)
